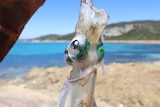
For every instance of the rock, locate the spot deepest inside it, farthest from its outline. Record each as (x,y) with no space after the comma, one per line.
(129,84)
(117,31)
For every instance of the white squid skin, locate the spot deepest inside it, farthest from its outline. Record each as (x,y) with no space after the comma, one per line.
(81,54)
(84,52)
(89,28)
(75,46)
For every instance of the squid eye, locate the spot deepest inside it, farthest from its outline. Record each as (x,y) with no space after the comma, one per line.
(75,45)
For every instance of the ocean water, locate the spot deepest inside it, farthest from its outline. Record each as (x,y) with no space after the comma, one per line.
(25,56)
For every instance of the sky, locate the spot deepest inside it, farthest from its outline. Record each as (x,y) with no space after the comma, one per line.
(60,16)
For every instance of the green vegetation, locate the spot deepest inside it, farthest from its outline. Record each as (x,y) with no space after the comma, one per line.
(141,30)
(51,37)
(67,36)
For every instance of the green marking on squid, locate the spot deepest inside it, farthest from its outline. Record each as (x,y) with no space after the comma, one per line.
(84,50)
(100,51)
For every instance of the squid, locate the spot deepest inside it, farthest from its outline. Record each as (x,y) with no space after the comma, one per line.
(86,49)
(84,53)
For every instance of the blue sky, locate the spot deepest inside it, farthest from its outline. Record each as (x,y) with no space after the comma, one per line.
(61,16)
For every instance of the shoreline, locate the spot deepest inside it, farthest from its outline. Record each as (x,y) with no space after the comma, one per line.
(134,41)
(98,66)
(6,76)
(106,41)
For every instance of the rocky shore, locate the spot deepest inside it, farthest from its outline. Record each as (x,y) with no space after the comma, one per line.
(123,85)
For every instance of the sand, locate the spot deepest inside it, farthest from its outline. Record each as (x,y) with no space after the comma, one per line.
(123,85)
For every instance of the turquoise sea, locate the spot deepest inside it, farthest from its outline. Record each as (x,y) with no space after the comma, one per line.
(25,56)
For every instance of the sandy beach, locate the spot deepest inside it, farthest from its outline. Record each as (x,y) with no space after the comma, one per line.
(123,85)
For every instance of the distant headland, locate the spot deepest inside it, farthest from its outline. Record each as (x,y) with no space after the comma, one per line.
(119,32)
